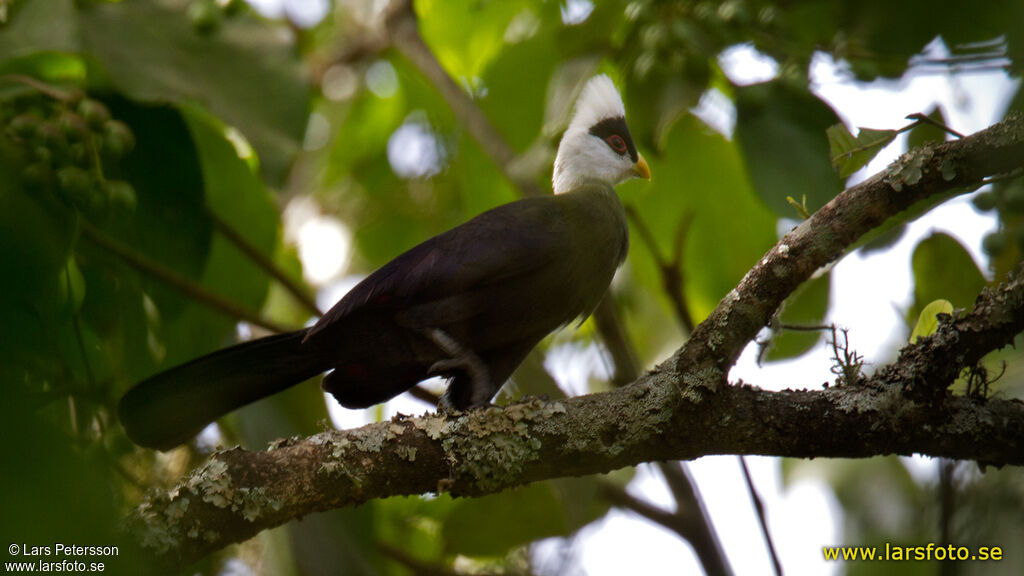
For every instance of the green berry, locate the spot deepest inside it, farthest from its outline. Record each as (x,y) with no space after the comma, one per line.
(94,112)
(50,135)
(205,16)
(994,244)
(78,153)
(121,194)
(76,184)
(74,126)
(37,176)
(1014,199)
(985,201)
(118,139)
(42,154)
(98,203)
(24,125)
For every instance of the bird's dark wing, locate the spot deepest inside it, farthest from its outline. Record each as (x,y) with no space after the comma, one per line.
(494,247)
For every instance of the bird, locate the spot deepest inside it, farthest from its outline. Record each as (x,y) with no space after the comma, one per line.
(467,305)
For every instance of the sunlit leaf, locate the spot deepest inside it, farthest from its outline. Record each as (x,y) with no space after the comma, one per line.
(928,321)
(850,153)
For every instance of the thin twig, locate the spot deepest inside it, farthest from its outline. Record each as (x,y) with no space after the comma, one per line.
(264,263)
(619,497)
(804,327)
(923,118)
(405,36)
(688,526)
(671,270)
(613,335)
(186,286)
(759,509)
(40,86)
(947,507)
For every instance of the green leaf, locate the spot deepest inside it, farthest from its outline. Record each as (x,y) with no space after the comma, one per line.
(492,525)
(37,233)
(928,320)
(36,26)
(466,35)
(781,131)
(850,154)
(236,194)
(517,86)
(247,73)
(703,174)
(944,270)
(51,67)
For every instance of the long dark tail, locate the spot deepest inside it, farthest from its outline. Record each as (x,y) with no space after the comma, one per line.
(173,406)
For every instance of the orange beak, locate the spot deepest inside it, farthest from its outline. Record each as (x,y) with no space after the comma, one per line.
(641,168)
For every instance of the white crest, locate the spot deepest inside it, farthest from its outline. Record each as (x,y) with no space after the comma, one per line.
(582,156)
(598,100)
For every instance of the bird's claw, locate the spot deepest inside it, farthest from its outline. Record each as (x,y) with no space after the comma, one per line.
(460,358)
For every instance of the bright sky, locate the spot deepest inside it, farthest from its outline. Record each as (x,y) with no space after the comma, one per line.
(804,516)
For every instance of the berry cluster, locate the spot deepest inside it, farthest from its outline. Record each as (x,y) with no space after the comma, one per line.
(1008,199)
(68,145)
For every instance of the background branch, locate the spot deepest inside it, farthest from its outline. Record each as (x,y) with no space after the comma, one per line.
(264,263)
(186,286)
(405,36)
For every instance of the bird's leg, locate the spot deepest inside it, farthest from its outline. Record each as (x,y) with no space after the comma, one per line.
(464,359)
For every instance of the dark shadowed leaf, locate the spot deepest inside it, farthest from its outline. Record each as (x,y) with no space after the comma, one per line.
(781,131)
(925,132)
(806,307)
(944,270)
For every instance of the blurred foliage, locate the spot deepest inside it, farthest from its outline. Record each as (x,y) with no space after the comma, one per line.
(149,122)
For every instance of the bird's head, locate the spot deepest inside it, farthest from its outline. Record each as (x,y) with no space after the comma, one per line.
(597,144)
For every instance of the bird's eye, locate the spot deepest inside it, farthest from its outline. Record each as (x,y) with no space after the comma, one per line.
(617,143)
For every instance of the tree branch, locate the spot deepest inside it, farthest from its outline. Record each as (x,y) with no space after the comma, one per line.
(262,261)
(238,493)
(179,282)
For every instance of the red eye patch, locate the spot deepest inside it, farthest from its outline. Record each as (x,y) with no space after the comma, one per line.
(617,143)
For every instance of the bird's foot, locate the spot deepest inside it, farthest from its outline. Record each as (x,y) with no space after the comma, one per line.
(464,360)
(460,357)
